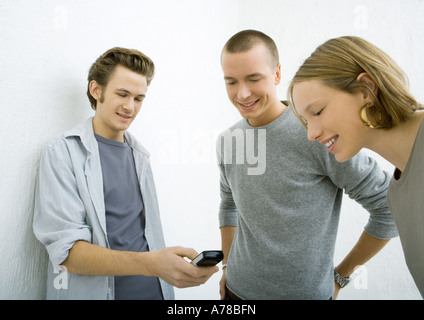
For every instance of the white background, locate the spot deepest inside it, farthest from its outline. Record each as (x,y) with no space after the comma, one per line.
(47,47)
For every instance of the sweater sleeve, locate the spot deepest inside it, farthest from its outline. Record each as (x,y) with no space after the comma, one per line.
(363,181)
(228,213)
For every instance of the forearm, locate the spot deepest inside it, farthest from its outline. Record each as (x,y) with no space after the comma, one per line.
(168,264)
(366,247)
(86,258)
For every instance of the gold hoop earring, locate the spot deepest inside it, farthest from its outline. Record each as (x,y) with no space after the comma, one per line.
(364,118)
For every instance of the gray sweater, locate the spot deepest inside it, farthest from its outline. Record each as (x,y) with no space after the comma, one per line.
(285,199)
(405,198)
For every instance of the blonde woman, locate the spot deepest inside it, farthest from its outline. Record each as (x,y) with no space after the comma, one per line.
(351,95)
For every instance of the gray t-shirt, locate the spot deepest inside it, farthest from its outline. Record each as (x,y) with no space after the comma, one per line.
(406,201)
(125,221)
(287,209)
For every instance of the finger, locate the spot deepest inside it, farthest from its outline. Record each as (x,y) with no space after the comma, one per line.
(188,281)
(186,252)
(198,272)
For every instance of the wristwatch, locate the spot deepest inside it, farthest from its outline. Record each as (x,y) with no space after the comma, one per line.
(342,281)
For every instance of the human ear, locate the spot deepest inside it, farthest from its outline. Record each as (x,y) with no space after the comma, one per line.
(367,80)
(95,89)
(277,75)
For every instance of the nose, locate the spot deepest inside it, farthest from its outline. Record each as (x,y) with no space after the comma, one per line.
(314,132)
(243,92)
(128,106)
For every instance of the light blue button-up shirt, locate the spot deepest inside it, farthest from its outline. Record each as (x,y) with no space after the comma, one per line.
(69,206)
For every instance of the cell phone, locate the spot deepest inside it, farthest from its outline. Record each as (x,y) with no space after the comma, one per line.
(208,258)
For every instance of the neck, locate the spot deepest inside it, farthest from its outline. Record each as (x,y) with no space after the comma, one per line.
(395,145)
(106,132)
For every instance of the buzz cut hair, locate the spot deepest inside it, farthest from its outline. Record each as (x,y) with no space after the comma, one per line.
(245,40)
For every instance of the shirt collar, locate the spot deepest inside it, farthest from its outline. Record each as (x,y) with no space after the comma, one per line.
(86,133)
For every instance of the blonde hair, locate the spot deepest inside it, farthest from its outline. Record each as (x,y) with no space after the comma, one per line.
(338,62)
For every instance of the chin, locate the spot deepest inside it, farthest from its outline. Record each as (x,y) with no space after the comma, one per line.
(249,115)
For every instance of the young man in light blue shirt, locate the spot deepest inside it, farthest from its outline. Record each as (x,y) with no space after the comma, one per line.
(96,208)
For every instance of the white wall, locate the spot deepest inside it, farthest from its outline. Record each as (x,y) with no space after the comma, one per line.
(46,48)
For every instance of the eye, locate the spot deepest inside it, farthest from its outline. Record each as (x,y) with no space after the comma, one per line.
(319,112)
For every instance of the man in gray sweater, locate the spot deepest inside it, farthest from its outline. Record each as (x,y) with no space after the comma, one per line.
(281,194)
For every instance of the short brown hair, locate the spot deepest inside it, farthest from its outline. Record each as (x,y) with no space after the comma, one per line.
(339,61)
(103,67)
(247,39)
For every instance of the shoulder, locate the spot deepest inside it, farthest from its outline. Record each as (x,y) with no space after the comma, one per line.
(63,152)
(57,144)
(74,143)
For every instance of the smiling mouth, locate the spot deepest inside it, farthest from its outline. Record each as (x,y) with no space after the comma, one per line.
(330,143)
(123,116)
(248,106)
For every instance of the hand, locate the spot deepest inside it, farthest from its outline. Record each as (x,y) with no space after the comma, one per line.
(223,285)
(169,264)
